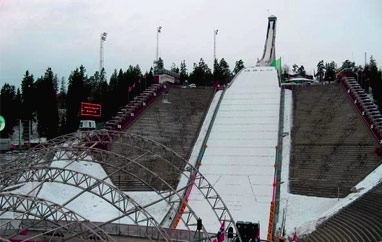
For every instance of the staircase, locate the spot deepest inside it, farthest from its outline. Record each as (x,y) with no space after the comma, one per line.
(128,113)
(365,106)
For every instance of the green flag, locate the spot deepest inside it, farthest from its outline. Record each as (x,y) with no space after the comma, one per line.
(277,64)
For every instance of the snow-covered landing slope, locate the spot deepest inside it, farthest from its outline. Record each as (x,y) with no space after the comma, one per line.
(241,149)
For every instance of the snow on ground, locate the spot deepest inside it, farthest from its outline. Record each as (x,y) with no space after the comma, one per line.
(87,204)
(306,212)
(301,211)
(195,153)
(241,149)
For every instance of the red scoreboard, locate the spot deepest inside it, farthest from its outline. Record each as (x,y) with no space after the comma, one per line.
(90,109)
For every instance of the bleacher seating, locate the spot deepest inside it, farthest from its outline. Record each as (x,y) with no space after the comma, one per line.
(332,147)
(173,119)
(128,113)
(359,222)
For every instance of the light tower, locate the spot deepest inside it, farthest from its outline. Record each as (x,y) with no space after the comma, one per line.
(158,31)
(215,33)
(102,39)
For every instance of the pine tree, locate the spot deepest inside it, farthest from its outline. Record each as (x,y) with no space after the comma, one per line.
(330,71)
(159,65)
(28,96)
(183,72)
(320,70)
(348,64)
(375,82)
(47,112)
(77,93)
(201,75)
(63,86)
(225,71)
(217,74)
(238,66)
(174,68)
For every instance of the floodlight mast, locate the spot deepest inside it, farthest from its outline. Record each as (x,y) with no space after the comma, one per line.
(158,31)
(101,60)
(215,34)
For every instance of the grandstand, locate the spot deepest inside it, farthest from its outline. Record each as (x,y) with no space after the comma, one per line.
(360,221)
(175,154)
(173,119)
(332,147)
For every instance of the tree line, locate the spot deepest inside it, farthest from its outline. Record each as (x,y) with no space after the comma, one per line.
(368,76)
(55,104)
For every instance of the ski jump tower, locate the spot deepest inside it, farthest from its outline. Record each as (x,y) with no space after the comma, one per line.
(269,54)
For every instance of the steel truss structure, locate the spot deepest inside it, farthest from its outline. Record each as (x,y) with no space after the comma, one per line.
(39,165)
(34,211)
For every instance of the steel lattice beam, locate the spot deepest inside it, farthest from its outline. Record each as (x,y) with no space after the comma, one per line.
(45,210)
(82,141)
(99,187)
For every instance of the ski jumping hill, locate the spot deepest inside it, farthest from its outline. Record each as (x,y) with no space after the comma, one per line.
(240,154)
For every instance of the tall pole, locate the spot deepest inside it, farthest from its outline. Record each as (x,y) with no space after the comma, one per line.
(365,58)
(102,39)
(215,33)
(158,31)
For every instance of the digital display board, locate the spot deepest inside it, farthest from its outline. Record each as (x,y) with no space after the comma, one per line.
(90,109)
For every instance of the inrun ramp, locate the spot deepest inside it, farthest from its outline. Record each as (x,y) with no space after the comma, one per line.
(240,155)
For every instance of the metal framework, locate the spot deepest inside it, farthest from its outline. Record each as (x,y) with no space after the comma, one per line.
(81,147)
(34,211)
(99,187)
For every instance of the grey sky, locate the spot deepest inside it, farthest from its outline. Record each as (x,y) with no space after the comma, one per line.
(64,34)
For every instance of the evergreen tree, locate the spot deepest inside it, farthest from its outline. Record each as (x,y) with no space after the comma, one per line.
(222,72)
(301,70)
(159,65)
(28,96)
(174,68)
(225,71)
(295,68)
(55,83)
(63,86)
(348,64)
(201,74)
(217,74)
(330,71)
(77,93)
(109,105)
(238,66)
(320,70)
(47,112)
(375,82)
(183,72)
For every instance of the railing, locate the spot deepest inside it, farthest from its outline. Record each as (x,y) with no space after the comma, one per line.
(142,105)
(167,72)
(187,192)
(128,230)
(368,110)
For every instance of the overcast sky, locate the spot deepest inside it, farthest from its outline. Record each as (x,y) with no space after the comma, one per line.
(63,34)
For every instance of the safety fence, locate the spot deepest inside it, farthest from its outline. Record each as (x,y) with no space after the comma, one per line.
(113,229)
(369,111)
